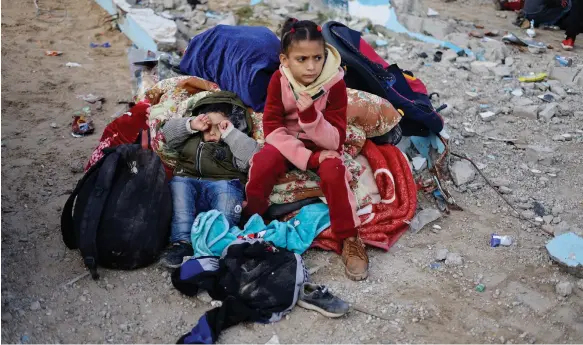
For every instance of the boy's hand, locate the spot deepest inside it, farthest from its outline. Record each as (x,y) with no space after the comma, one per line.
(200,123)
(224,125)
(304,102)
(327,154)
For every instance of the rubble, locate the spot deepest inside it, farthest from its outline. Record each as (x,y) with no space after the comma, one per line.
(564,288)
(462,172)
(528,111)
(548,111)
(454,259)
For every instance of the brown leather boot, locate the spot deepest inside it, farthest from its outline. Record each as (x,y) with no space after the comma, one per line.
(355,259)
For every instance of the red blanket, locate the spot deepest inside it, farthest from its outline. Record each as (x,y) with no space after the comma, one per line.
(390,218)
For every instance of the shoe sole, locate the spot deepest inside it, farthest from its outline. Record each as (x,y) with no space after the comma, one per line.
(166,264)
(356,277)
(319,310)
(568,48)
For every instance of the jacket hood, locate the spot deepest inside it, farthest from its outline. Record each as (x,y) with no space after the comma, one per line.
(239,116)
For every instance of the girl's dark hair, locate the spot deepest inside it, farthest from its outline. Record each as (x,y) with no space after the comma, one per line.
(294,30)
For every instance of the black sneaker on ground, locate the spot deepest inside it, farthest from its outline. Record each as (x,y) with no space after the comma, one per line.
(318,298)
(172,257)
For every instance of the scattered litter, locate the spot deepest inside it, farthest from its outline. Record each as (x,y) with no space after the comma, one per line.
(434,265)
(73,64)
(530,31)
(432,13)
(564,61)
(424,217)
(90,98)
(53,53)
(97,45)
(437,227)
(473,95)
(517,92)
(54,125)
(437,56)
(24,339)
(82,124)
(567,251)
(487,116)
(480,287)
(423,55)
(273,340)
(381,43)
(499,240)
(547,97)
(532,78)
(492,33)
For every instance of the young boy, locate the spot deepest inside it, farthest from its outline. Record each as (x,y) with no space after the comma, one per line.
(214,152)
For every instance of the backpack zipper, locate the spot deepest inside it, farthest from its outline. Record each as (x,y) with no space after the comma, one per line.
(198,158)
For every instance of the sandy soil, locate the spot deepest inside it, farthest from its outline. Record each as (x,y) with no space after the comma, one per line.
(41,165)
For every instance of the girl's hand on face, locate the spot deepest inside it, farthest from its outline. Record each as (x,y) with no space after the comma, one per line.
(200,123)
(224,125)
(328,154)
(304,102)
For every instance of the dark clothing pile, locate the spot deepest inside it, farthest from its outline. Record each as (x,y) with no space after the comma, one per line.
(240,59)
(256,281)
(552,12)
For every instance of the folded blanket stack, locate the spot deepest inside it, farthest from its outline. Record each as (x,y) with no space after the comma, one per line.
(390,217)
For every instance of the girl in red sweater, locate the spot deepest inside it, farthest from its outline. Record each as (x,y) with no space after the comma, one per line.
(304,123)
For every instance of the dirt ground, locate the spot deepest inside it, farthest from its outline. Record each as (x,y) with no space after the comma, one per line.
(416,303)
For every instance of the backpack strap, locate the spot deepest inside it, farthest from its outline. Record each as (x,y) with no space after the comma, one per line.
(144,139)
(67,227)
(93,210)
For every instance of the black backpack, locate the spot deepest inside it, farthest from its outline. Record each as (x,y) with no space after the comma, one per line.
(123,209)
(399,87)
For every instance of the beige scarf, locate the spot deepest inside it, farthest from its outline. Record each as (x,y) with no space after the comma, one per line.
(329,71)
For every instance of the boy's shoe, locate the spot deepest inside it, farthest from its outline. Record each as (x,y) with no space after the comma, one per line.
(318,298)
(355,259)
(172,257)
(568,44)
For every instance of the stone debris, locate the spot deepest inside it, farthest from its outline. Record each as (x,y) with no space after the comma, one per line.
(564,288)
(441,254)
(462,172)
(528,111)
(548,111)
(454,259)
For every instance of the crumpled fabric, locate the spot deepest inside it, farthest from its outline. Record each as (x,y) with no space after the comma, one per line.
(211,233)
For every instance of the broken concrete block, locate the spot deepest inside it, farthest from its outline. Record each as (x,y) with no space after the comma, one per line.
(521,101)
(450,56)
(454,259)
(503,71)
(563,74)
(567,251)
(419,163)
(548,111)
(483,67)
(487,116)
(462,172)
(527,112)
(564,288)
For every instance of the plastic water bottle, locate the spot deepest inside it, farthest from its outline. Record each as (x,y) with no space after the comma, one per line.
(564,61)
(499,240)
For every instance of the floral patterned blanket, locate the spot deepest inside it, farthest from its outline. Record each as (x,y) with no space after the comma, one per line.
(368,116)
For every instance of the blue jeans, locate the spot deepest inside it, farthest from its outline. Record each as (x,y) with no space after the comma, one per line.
(191,196)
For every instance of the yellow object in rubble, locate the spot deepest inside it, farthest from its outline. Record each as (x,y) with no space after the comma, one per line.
(532,78)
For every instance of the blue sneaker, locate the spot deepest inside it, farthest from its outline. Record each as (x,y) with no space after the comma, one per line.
(318,298)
